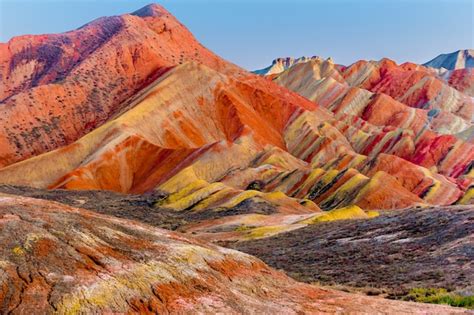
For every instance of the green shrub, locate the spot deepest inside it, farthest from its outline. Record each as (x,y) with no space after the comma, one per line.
(439,296)
(256,185)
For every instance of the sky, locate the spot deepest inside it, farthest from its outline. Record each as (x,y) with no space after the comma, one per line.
(251,33)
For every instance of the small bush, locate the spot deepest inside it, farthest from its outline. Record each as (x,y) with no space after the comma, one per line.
(256,185)
(243,228)
(439,296)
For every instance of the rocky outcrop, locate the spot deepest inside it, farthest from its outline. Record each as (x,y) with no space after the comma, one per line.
(281,64)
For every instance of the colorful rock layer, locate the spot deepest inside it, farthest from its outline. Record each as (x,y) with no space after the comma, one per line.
(376,135)
(205,131)
(405,116)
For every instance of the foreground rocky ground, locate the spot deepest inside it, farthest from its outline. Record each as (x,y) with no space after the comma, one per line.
(65,260)
(387,255)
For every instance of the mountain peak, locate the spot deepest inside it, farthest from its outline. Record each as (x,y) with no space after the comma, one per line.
(280,64)
(151,10)
(463,58)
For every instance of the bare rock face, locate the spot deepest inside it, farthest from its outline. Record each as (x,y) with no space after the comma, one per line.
(61,259)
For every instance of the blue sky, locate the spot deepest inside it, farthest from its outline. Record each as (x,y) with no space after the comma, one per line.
(252,33)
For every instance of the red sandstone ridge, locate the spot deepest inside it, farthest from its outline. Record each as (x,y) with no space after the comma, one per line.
(57,88)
